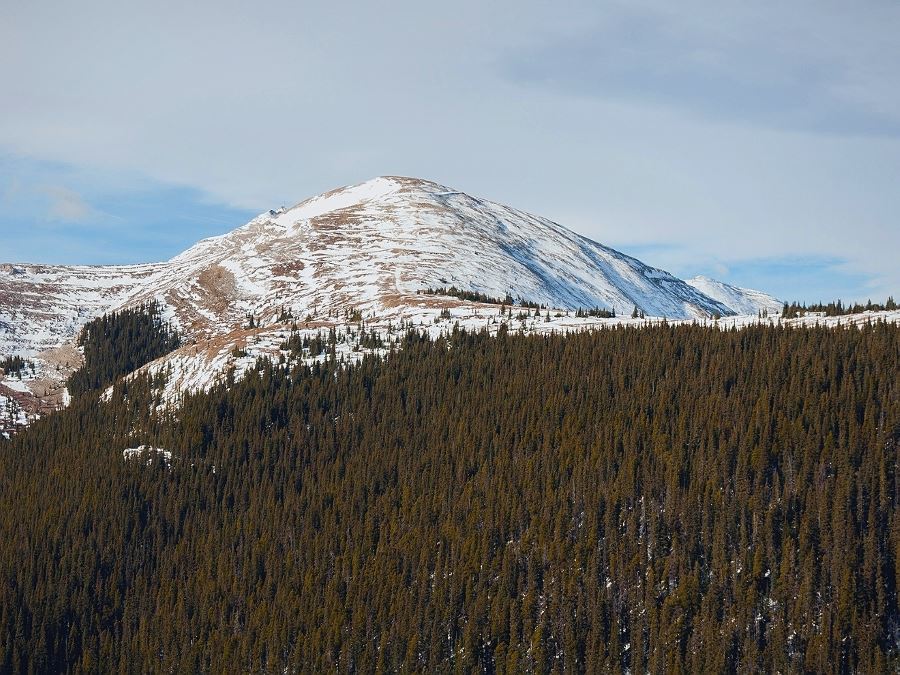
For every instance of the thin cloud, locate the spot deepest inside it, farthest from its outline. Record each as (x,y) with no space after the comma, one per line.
(11,190)
(66,205)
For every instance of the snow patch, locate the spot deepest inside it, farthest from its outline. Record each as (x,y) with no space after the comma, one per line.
(149,452)
(337,199)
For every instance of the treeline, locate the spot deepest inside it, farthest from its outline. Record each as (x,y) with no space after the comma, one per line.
(836,308)
(15,365)
(471,296)
(120,342)
(600,312)
(509,301)
(663,499)
(475,296)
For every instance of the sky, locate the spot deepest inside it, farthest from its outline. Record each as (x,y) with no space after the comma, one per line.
(757,143)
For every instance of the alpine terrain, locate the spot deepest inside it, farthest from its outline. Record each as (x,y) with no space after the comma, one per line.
(387,251)
(397,428)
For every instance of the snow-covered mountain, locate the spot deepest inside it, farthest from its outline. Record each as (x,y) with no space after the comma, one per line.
(739,300)
(375,245)
(44,306)
(368,249)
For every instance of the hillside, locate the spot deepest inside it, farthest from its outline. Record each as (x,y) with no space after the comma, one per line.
(737,299)
(662,499)
(369,251)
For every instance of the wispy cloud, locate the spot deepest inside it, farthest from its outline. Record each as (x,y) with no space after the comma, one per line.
(57,213)
(66,205)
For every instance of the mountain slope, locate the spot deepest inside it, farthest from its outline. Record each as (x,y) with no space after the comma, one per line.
(374,246)
(43,306)
(739,300)
(370,247)
(367,250)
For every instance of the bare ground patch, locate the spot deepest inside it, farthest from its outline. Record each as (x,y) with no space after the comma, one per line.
(64,359)
(218,285)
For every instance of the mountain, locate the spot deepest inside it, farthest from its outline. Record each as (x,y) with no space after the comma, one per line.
(368,250)
(739,300)
(371,246)
(391,237)
(499,498)
(44,306)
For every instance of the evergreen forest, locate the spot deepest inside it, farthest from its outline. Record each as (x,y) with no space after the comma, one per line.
(118,343)
(836,308)
(659,499)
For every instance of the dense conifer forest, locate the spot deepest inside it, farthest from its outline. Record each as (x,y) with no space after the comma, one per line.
(118,343)
(663,499)
(836,308)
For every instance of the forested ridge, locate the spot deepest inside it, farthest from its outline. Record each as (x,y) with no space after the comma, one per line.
(118,343)
(662,499)
(836,308)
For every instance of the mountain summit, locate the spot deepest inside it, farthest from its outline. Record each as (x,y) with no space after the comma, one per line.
(375,245)
(391,237)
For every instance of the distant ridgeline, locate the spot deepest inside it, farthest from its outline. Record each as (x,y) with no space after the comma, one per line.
(836,308)
(656,499)
(119,343)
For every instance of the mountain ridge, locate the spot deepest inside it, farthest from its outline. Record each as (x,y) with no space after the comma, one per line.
(739,299)
(366,250)
(429,239)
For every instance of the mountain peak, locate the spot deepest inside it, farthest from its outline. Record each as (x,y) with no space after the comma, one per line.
(353,196)
(386,239)
(740,300)
(334,200)
(373,247)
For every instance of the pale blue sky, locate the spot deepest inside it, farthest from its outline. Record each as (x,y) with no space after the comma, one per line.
(758,144)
